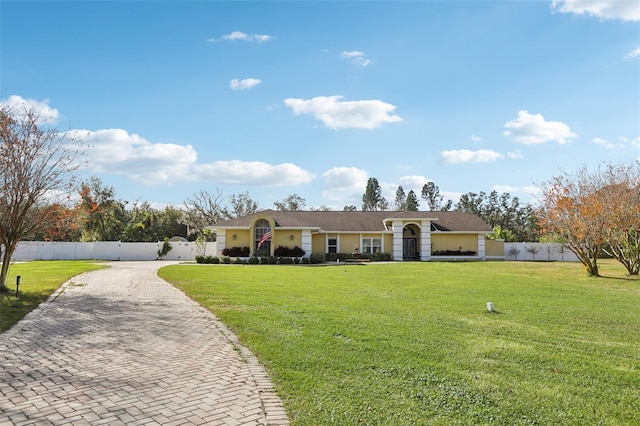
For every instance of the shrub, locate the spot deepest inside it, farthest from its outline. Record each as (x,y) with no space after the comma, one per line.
(454,253)
(305,261)
(272,260)
(380,257)
(166,248)
(317,258)
(199,259)
(332,257)
(236,251)
(254,260)
(282,251)
(226,260)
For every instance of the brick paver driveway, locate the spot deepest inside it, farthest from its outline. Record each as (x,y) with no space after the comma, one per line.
(121,346)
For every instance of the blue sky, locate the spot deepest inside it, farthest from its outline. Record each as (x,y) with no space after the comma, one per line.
(313,98)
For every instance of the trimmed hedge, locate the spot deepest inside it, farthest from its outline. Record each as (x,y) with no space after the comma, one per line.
(453,253)
(236,252)
(282,251)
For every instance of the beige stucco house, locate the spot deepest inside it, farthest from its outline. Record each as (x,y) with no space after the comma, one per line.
(420,235)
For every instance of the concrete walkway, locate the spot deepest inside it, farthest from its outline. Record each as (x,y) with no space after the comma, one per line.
(122,347)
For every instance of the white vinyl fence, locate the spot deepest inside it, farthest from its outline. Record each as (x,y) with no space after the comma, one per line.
(106,250)
(538,251)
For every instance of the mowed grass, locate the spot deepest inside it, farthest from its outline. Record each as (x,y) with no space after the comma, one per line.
(413,344)
(38,281)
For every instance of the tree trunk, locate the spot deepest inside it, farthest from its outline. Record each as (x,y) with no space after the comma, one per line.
(7,253)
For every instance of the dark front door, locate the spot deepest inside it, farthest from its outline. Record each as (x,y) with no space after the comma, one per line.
(410,251)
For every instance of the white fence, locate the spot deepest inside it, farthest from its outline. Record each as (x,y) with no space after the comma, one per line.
(538,251)
(106,250)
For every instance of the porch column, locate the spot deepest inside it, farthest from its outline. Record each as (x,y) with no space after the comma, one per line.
(221,238)
(425,240)
(397,227)
(482,252)
(306,242)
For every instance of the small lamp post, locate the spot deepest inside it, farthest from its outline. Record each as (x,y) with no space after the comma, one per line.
(17,286)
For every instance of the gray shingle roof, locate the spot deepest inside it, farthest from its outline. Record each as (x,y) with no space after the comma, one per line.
(359,221)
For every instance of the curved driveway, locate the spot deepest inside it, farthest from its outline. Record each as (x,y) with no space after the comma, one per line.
(120,346)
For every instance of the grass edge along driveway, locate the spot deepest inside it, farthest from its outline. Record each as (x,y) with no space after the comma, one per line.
(39,279)
(412,343)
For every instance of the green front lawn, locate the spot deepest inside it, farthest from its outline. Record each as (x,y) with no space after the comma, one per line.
(38,281)
(412,343)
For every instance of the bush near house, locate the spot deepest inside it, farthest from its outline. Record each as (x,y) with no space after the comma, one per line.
(282,251)
(454,253)
(236,252)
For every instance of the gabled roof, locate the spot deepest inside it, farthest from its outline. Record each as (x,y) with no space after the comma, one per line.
(359,221)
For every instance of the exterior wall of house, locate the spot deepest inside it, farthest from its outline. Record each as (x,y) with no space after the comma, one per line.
(318,243)
(243,238)
(441,241)
(388,243)
(494,249)
(284,238)
(348,243)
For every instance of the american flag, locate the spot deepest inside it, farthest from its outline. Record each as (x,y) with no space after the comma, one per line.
(265,237)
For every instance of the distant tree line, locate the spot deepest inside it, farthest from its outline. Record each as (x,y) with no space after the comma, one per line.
(510,219)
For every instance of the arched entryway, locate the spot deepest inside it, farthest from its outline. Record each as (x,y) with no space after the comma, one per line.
(410,242)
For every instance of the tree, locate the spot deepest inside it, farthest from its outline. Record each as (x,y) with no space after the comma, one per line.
(412,202)
(350,208)
(292,203)
(471,203)
(372,199)
(620,189)
(35,161)
(105,218)
(59,223)
(203,209)
(401,200)
(509,219)
(572,208)
(431,193)
(242,205)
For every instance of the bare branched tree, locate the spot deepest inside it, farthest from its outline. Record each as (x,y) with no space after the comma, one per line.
(36,162)
(242,205)
(203,209)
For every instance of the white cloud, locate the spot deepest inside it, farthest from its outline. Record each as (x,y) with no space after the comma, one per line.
(515,154)
(337,114)
(414,182)
(342,184)
(356,57)
(46,114)
(258,173)
(116,151)
(461,156)
(475,138)
(533,129)
(239,35)
(626,10)
(244,84)
(633,54)
(605,143)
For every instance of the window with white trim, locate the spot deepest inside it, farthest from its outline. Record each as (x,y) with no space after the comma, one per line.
(371,245)
(332,245)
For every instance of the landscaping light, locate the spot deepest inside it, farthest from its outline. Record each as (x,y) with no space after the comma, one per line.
(17,285)
(490,306)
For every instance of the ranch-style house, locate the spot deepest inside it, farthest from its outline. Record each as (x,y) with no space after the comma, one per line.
(404,235)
